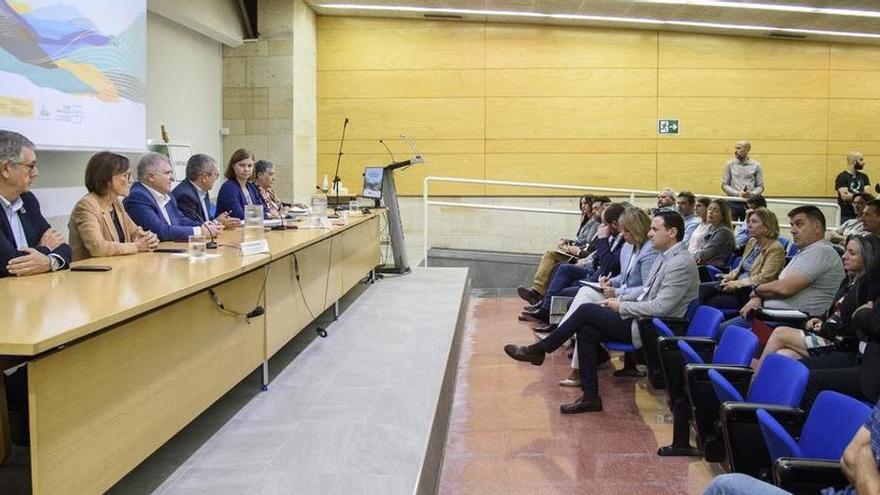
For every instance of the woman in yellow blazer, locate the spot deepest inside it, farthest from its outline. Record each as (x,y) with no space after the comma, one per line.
(99,225)
(762,261)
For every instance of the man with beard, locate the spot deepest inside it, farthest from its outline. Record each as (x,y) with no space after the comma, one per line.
(850,182)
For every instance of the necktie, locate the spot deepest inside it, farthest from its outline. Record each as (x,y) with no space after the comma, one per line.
(207,203)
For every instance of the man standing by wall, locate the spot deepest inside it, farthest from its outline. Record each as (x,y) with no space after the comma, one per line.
(743,178)
(850,182)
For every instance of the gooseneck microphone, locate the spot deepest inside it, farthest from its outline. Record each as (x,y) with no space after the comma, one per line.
(210,244)
(388,150)
(338,160)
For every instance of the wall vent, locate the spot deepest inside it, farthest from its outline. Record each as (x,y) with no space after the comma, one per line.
(443,16)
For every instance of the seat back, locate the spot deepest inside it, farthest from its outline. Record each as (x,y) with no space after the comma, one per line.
(662,328)
(833,421)
(688,353)
(777,439)
(705,322)
(692,308)
(781,381)
(736,348)
(724,390)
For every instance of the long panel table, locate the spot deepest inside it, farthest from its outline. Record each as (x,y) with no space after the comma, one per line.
(120,361)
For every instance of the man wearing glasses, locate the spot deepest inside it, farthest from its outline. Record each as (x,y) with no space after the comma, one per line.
(28,244)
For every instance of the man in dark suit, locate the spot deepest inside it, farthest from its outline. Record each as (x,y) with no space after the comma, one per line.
(28,245)
(193,196)
(152,207)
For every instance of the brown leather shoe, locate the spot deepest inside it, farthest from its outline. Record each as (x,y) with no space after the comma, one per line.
(529,295)
(583,404)
(525,353)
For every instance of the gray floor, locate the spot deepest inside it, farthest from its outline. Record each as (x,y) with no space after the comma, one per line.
(351,414)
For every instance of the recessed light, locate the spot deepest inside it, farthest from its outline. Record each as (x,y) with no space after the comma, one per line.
(766,6)
(597,18)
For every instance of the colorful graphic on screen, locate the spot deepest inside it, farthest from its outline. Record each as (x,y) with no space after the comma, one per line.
(73,74)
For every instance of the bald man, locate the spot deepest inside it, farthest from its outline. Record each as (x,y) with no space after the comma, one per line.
(849,183)
(743,178)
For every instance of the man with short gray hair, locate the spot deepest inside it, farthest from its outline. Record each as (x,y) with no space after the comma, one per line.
(193,196)
(153,208)
(28,244)
(743,178)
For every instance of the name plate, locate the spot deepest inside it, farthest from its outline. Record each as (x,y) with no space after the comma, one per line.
(254,247)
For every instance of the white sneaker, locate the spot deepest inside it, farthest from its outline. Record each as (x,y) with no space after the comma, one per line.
(568,382)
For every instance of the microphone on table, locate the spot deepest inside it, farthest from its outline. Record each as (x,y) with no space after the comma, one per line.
(211,244)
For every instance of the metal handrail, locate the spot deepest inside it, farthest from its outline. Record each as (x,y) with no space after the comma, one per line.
(631,192)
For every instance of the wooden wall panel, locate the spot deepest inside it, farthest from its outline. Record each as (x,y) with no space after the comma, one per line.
(529,46)
(567,118)
(491,100)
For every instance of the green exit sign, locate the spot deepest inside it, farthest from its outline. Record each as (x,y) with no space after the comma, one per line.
(667,126)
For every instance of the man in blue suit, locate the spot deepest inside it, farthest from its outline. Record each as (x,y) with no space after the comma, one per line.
(152,207)
(28,245)
(192,194)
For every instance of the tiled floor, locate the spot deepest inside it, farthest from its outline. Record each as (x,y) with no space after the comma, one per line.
(507,436)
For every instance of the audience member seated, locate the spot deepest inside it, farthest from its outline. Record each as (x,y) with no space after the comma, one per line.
(666,199)
(698,236)
(671,286)
(28,245)
(851,368)
(605,261)
(238,191)
(810,280)
(742,178)
(564,253)
(862,255)
(762,261)
(718,243)
(99,225)
(153,208)
(685,202)
(853,225)
(860,464)
(589,225)
(871,217)
(635,269)
(741,232)
(849,183)
(193,194)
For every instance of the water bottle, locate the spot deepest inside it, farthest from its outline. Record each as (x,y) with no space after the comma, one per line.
(253,223)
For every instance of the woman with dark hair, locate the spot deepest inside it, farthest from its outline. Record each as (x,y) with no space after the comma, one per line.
(718,241)
(99,225)
(861,259)
(238,191)
(589,225)
(264,178)
(698,237)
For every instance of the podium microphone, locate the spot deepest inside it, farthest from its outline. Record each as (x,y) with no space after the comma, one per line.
(338,160)
(388,150)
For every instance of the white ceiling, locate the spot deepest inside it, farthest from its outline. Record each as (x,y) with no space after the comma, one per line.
(641,9)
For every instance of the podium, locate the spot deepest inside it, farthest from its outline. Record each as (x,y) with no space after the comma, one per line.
(395,225)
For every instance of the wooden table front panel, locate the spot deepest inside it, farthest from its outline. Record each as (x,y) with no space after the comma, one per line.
(101,406)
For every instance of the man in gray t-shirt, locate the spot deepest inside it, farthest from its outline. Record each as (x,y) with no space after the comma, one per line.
(810,282)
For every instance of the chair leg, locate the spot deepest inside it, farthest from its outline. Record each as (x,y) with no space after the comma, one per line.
(681,433)
(629,367)
(5,436)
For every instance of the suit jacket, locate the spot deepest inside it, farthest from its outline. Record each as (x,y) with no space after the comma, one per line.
(231,199)
(718,245)
(674,283)
(34,225)
(93,234)
(145,212)
(766,267)
(607,256)
(189,201)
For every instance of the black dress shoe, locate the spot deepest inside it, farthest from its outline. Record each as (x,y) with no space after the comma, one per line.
(583,404)
(529,307)
(529,295)
(529,317)
(545,327)
(525,353)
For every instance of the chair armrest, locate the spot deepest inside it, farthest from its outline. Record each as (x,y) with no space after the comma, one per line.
(799,321)
(676,324)
(704,346)
(738,376)
(744,443)
(807,475)
(792,418)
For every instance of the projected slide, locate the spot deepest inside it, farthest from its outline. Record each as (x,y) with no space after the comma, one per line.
(73,73)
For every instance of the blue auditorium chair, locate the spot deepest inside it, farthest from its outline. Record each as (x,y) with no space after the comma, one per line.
(810,462)
(737,347)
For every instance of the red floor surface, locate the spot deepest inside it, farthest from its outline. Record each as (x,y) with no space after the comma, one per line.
(506,434)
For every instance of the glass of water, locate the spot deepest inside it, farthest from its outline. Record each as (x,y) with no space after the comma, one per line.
(353,206)
(253,223)
(197,247)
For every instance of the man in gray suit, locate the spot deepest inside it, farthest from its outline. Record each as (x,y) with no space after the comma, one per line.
(673,284)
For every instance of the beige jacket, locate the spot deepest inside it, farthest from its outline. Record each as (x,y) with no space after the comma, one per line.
(766,268)
(92,233)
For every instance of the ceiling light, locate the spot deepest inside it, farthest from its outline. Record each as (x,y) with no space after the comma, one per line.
(596,18)
(765,6)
